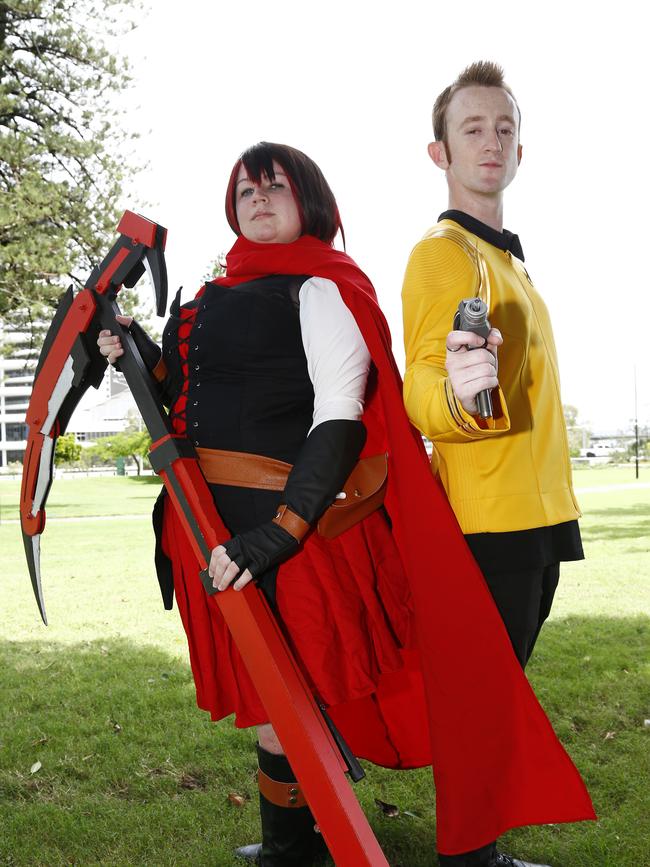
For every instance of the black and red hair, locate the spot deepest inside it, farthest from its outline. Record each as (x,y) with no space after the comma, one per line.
(319,213)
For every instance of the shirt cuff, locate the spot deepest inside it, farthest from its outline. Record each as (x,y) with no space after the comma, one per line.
(473,426)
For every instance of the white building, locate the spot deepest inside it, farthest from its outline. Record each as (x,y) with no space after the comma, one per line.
(101,412)
(15,388)
(104,411)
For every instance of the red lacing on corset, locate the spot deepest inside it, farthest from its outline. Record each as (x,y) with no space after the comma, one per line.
(177,413)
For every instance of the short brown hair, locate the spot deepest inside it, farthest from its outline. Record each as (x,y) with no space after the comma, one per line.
(483,73)
(319,213)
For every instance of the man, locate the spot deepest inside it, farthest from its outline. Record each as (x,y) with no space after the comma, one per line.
(507,476)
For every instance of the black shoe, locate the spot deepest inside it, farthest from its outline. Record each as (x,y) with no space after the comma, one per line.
(509,861)
(252,853)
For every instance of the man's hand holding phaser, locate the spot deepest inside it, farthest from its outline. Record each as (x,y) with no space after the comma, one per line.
(472,372)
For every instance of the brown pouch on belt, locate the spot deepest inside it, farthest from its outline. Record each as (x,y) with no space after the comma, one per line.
(364,493)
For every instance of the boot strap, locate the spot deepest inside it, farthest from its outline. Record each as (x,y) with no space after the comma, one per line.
(280,794)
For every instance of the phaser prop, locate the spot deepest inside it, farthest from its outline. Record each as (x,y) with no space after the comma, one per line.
(70,362)
(472,316)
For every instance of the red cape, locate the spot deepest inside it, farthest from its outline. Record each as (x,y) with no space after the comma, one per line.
(497,762)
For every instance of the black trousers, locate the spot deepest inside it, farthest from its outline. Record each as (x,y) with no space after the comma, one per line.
(524,600)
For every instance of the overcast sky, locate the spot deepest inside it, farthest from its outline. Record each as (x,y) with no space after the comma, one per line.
(352,85)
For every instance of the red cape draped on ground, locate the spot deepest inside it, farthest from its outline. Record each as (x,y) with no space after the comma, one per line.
(496,760)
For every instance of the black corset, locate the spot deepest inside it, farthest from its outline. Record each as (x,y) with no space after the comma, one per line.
(249,389)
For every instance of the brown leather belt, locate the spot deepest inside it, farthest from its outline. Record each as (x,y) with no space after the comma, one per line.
(362,493)
(243,470)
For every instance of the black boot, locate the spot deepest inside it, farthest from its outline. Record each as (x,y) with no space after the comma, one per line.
(486,856)
(251,853)
(288,836)
(509,861)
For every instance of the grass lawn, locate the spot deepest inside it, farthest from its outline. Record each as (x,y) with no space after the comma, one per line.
(105,759)
(99,495)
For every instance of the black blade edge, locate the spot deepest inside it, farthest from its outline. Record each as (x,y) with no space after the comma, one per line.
(34,574)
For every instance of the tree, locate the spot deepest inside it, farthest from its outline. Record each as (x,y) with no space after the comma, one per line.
(60,179)
(642,436)
(128,444)
(570,415)
(216,268)
(67,450)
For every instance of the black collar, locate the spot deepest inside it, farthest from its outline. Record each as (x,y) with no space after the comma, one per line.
(503,240)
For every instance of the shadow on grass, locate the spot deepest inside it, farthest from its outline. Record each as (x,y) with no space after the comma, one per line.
(132,773)
(608,528)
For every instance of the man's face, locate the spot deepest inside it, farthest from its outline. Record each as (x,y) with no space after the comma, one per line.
(482,151)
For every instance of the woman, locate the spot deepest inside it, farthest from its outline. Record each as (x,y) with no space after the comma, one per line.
(286,361)
(277,366)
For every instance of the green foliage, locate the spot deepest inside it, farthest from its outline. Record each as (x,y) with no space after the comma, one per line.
(67,450)
(643,444)
(129,444)
(60,175)
(216,268)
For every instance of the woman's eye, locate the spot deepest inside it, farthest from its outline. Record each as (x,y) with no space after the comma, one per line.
(276,185)
(505,131)
(245,192)
(472,131)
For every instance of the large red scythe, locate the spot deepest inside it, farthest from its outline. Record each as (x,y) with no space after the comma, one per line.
(70,362)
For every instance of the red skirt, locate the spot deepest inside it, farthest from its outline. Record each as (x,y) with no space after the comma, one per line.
(346,611)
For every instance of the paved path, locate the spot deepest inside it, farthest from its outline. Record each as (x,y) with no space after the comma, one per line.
(601,489)
(56,518)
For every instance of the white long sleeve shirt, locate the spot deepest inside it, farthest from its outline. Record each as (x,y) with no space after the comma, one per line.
(338,360)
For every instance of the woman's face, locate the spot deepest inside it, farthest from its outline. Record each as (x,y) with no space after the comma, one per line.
(267,212)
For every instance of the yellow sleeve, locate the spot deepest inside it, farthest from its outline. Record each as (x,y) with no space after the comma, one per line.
(438,276)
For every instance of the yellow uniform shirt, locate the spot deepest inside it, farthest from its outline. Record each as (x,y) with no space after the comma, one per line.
(514,473)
